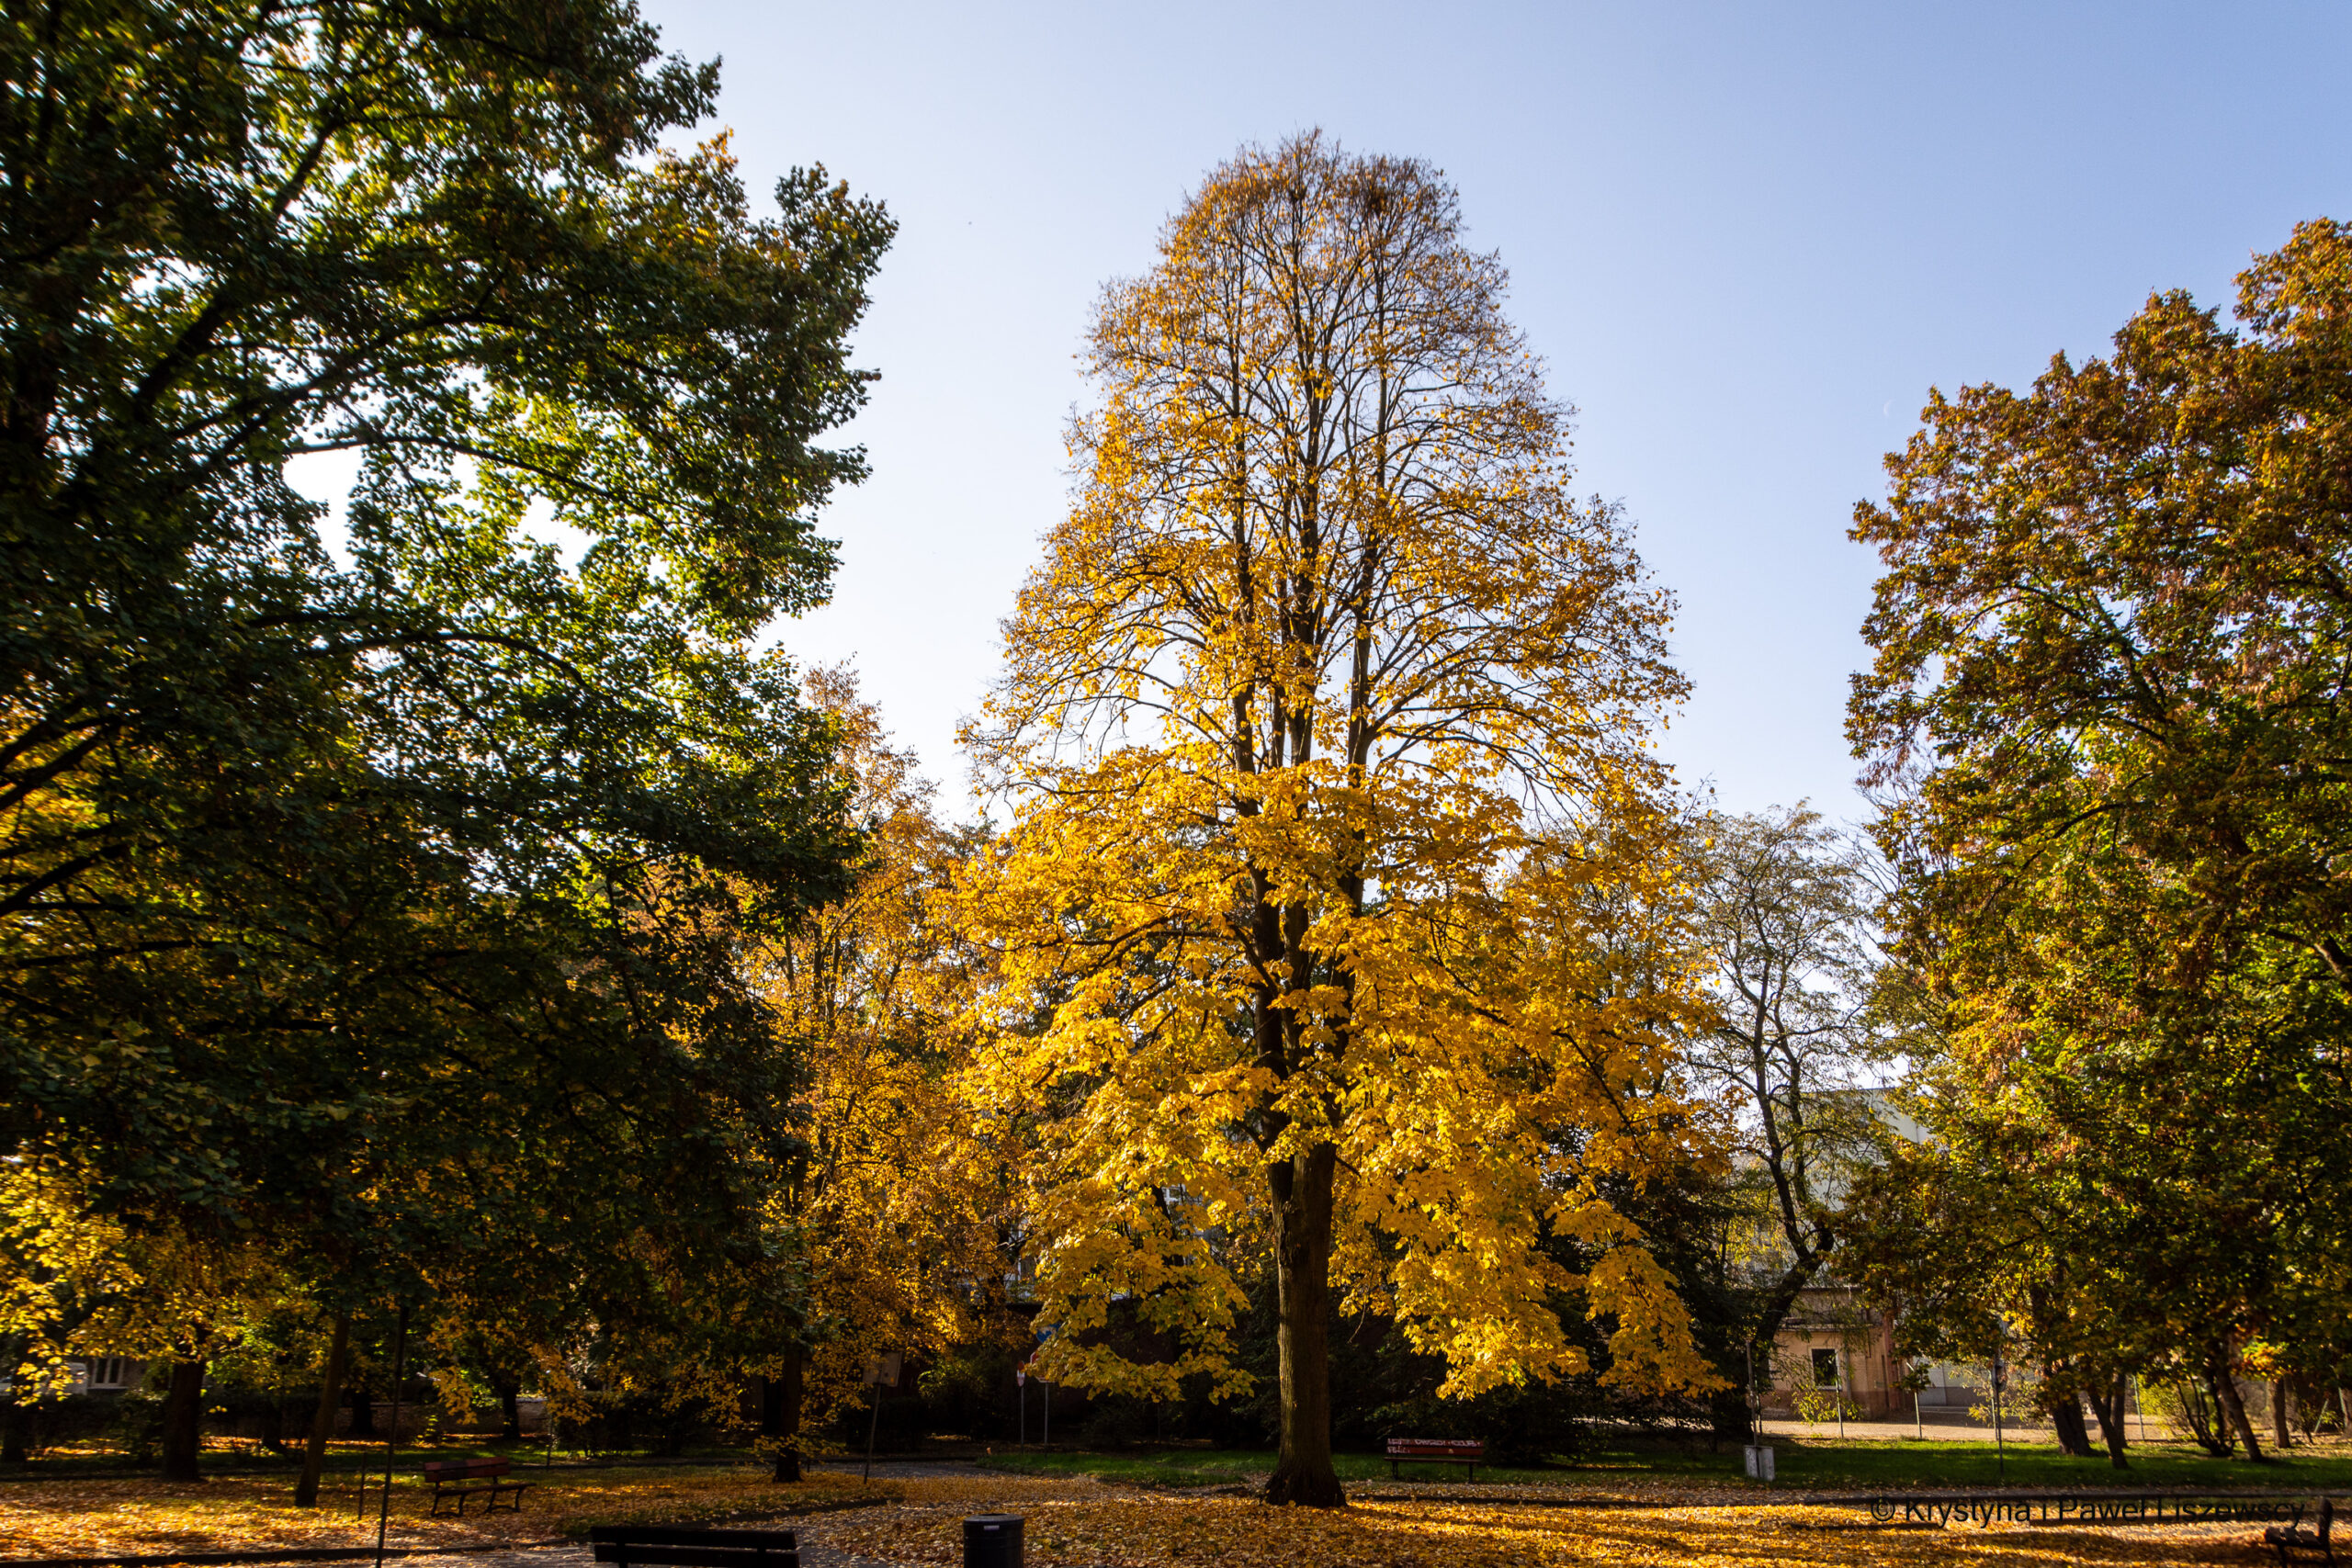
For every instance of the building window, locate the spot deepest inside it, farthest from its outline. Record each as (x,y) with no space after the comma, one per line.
(109,1371)
(1825,1368)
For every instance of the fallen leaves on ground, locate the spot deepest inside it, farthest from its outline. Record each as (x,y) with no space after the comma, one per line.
(1071,1523)
(1083,1524)
(92,1518)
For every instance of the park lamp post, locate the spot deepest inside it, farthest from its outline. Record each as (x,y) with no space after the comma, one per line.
(881,1372)
(2000,1382)
(391,1438)
(1753,1415)
(1759,1453)
(1046,1439)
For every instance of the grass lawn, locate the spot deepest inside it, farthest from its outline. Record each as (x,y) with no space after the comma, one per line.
(1804,1464)
(1210,1467)
(244,1457)
(1816,1464)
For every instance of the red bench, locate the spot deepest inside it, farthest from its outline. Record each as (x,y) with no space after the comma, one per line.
(1471,1451)
(464,1478)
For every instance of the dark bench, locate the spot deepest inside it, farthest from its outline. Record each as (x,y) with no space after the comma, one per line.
(1471,1451)
(464,1478)
(2285,1539)
(663,1546)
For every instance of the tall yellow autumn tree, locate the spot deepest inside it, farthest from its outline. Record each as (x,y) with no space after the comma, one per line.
(1329,916)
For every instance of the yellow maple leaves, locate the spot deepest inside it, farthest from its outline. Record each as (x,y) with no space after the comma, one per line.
(1333,916)
(896,1202)
(59,1259)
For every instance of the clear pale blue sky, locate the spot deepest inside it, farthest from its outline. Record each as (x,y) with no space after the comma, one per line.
(1747,239)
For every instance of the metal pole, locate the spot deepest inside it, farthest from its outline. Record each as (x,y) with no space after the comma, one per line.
(2000,1450)
(1047,1441)
(871,1425)
(393,1438)
(1919,1417)
(1021,1441)
(1842,1394)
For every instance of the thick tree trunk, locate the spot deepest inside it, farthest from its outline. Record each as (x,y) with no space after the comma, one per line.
(780,1415)
(314,1454)
(272,1423)
(2109,1407)
(2066,1421)
(2282,1412)
(2225,1388)
(16,1432)
(508,1391)
(1781,1300)
(1302,1203)
(184,1422)
(1730,1417)
(16,1416)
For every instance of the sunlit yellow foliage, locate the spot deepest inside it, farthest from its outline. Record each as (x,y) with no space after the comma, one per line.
(60,1265)
(895,1202)
(1332,913)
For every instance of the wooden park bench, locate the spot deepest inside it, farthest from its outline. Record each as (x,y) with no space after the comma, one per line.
(663,1546)
(2286,1539)
(464,1478)
(1471,1451)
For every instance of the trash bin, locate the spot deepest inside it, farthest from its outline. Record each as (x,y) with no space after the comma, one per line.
(992,1541)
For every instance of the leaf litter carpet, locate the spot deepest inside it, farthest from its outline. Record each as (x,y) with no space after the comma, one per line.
(1081,1523)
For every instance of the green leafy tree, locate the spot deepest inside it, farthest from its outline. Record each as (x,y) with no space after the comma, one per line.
(364,904)
(2109,712)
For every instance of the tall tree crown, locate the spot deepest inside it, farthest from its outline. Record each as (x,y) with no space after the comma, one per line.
(1327,910)
(1325,511)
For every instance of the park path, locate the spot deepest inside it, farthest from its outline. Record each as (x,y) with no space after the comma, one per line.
(1937,1430)
(812,1530)
(1947,1430)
